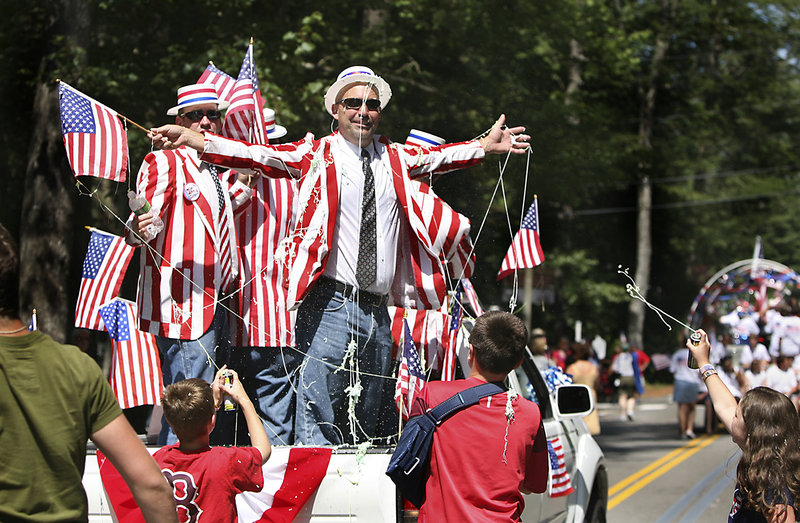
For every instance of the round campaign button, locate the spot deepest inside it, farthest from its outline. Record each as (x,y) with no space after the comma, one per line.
(191,192)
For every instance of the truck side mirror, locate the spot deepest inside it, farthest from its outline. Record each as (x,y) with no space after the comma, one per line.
(574,401)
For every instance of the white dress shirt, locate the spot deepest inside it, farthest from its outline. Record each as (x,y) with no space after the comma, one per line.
(343,256)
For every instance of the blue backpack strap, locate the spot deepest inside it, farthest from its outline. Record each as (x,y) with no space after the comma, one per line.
(464,399)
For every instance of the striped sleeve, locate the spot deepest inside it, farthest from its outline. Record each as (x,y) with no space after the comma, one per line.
(274,161)
(424,161)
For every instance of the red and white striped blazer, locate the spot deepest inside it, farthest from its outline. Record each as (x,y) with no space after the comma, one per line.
(436,240)
(187,265)
(261,318)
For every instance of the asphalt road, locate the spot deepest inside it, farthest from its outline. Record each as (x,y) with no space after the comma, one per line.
(655,476)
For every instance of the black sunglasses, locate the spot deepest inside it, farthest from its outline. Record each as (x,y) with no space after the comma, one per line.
(198,115)
(373,104)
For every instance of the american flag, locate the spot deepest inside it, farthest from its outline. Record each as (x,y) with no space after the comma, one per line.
(245,119)
(451,337)
(426,327)
(525,251)
(224,83)
(135,364)
(410,378)
(560,483)
(472,297)
(103,269)
(292,476)
(94,136)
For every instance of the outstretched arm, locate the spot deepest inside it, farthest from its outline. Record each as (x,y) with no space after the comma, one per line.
(127,453)
(502,140)
(172,136)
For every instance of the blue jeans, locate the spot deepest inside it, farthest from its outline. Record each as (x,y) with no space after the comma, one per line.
(182,359)
(327,321)
(267,373)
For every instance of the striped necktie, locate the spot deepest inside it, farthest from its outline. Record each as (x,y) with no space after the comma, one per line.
(220,197)
(225,254)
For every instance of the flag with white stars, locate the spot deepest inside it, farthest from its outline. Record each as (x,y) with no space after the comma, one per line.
(525,251)
(103,270)
(410,378)
(135,363)
(94,137)
(245,118)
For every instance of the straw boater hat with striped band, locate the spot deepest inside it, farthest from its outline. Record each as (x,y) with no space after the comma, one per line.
(357,74)
(197,94)
(274,131)
(423,139)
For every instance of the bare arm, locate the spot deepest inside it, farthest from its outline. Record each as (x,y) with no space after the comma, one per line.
(127,453)
(721,397)
(258,436)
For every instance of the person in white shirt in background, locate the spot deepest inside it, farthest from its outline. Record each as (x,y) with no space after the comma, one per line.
(757,373)
(718,347)
(785,330)
(685,392)
(757,349)
(732,377)
(781,377)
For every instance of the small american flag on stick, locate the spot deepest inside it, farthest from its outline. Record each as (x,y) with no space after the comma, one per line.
(135,363)
(94,137)
(525,251)
(410,378)
(103,270)
(245,119)
(222,82)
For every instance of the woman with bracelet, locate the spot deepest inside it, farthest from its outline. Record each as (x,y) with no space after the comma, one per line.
(765,425)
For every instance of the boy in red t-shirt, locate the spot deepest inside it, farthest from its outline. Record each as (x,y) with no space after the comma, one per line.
(485,456)
(204,479)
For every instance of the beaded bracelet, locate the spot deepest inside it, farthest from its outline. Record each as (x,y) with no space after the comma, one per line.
(709,372)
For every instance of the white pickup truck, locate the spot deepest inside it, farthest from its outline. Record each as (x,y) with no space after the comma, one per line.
(355,487)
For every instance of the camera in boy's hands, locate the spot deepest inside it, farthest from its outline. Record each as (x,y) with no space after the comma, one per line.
(229,404)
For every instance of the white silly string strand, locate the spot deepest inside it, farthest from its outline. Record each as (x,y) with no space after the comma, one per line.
(633,291)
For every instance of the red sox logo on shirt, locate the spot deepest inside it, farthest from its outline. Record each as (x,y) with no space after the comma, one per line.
(184,491)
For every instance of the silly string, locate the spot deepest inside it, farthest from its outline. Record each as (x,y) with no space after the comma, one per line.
(633,291)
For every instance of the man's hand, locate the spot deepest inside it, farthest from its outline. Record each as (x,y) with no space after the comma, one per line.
(247,179)
(502,141)
(172,136)
(141,223)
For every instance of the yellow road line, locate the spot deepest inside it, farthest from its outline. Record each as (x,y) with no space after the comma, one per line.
(655,470)
(630,479)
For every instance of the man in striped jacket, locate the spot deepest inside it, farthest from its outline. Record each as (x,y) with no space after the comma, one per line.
(367,235)
(186,268)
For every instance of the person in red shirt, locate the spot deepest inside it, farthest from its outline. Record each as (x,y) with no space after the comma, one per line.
(485,456)
(204,479)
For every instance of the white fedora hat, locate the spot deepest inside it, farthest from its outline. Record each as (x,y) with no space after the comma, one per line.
(423,139)
(273,130)
(357,74)
(197,94)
